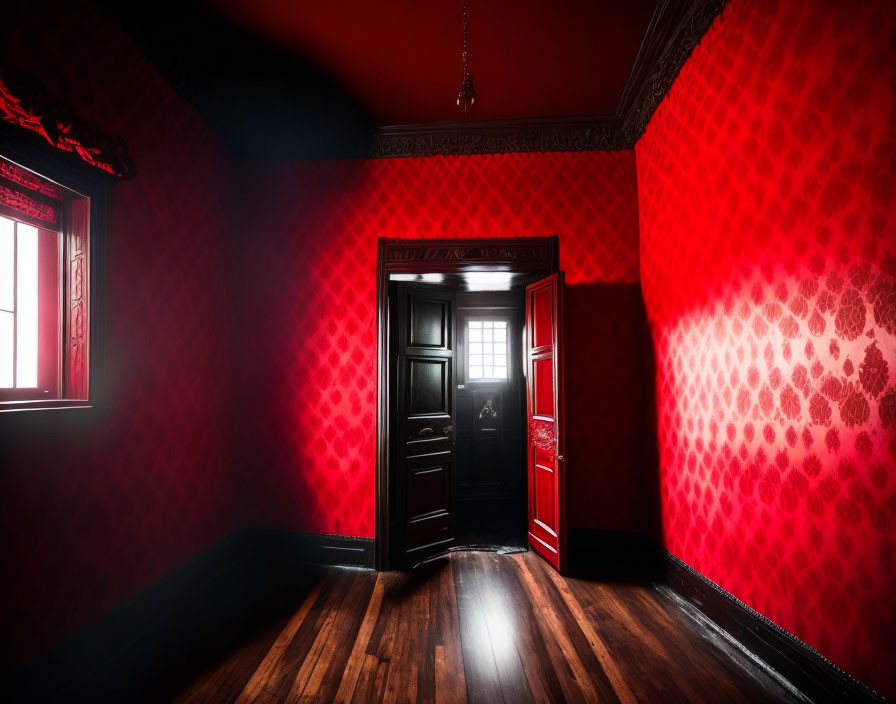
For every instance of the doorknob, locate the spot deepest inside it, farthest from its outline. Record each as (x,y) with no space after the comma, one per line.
(560,458)
(447,429)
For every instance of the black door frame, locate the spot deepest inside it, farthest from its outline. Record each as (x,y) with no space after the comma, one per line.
(524,255)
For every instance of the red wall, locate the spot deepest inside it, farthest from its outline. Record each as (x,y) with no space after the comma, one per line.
(768,225)
(244,376)
(98,505)
(310,258)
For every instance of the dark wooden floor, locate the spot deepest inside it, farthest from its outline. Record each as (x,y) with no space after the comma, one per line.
(482,627)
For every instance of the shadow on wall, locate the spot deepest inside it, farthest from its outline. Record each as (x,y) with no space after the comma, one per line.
(309,258)
(765,187)
(292,310)
(612,480)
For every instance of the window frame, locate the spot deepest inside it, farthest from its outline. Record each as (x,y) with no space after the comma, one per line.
(468,344)
(28,151)
(502,316)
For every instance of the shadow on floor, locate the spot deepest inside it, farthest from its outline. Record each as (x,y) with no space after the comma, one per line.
(491,525)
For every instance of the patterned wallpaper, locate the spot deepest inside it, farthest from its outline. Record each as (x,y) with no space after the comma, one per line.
(764,193)
(96,507)
(768,256)
(311,311)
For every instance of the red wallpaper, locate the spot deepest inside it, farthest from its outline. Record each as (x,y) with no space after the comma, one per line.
(96,506)
(764,192)
(767,216)
(310,376)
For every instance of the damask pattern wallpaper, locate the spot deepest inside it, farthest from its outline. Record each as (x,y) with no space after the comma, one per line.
(768,256)
(756,216)
(96,506)
(311,305)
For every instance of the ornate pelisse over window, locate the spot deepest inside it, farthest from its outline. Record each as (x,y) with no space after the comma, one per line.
(44,291)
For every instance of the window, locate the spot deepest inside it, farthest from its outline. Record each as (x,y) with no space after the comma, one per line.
(18,304)
(44,232)
(487,350)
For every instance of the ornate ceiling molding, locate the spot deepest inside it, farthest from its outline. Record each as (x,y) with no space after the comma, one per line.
(676,28)
(518,254)
(695,21)
(26,103)
(495,137)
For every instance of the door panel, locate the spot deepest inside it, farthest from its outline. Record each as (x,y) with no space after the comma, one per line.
(543,388)
(428,390)
(424,496)
(426,491)
(545,444)
(542,328)
(428,321)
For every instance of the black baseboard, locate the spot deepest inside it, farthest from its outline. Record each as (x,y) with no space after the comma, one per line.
(143,649)
(816,677)
(339,550)
(616,555)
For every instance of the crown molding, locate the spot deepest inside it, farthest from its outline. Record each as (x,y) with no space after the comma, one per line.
(675,29)
(561,134)
(691,21)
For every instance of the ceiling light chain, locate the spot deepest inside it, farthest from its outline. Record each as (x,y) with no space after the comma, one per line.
(467,94)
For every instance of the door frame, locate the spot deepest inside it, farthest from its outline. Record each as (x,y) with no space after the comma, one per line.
(524,255)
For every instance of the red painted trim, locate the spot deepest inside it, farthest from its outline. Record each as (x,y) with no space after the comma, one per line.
(25,103)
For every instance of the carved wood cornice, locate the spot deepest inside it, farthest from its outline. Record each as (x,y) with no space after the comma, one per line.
(500,136)
(25,102)
(520,254)
(695,20)
(674,31)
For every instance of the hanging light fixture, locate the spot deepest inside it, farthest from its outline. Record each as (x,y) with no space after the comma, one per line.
(466,96)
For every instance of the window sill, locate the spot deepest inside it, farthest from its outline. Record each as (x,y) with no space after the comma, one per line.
(50,405)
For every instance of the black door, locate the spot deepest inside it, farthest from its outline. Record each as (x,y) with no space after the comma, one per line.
(423,370)
(491,476)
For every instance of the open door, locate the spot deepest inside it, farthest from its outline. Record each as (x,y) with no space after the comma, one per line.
(424,446)
(545,445)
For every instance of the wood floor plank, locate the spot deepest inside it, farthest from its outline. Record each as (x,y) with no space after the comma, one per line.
(331,666)
(228,679)
(483,684)
(421,644)
(368,689)
(356,660)
(601,652)
(271,666)
(581,688)
(540,675)
(397,676)
(303,643)
(646,663)
(482,627)
(501,622)
(732,685)
(319,676)
(448,661)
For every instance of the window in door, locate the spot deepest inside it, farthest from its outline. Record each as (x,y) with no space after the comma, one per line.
(487,358)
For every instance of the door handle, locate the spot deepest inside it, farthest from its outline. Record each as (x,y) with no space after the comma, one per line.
(560,458)
(425,431)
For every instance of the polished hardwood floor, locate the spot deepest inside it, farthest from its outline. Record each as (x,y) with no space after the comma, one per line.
(481,627)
